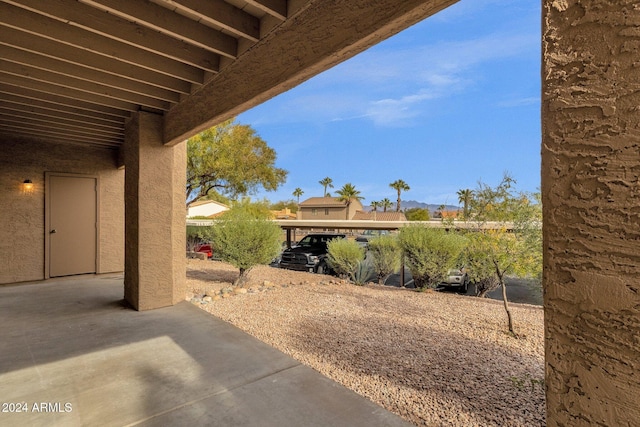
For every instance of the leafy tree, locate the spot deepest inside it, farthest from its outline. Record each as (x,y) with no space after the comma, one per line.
(344,256)
(347,194)
(231,159)
(429,253)
(284,204)
(297,193)
(385,204)
(244,237)
(217,197)
(385,252)
(493,254)
(417,214)
(326,182)
(464,197)
(400,186)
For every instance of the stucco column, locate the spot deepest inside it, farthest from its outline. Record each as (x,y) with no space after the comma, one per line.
(591,196)
(155,262)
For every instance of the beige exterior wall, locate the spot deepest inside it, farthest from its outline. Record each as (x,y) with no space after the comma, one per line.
(333,213)
(22,216)
(591,196)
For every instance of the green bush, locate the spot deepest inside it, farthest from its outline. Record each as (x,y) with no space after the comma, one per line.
(244,240)
(385,252)
(344,256)
(429,253)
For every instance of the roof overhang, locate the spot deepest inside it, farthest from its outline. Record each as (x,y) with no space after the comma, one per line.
(76,70)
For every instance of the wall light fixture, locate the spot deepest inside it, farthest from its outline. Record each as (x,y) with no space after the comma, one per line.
(27,186)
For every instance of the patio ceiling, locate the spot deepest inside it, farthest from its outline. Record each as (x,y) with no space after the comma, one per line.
(75,70)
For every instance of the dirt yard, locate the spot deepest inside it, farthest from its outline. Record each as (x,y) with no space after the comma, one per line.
(435,359)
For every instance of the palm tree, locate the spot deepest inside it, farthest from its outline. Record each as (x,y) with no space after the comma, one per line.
(385,204)
(375,205)
(400,186)
(326,182)
(348,193)
(297,193)
(464,197)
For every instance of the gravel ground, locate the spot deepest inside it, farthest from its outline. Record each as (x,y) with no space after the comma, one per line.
(434,359)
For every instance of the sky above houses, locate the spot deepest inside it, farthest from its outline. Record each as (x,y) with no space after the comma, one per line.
(450,101)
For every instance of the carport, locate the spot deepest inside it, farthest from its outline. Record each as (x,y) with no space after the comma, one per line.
(99,95)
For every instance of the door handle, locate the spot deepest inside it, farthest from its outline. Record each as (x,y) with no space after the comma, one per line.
(54,231)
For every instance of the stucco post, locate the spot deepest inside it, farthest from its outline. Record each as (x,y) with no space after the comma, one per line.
(155,262)
(591,196)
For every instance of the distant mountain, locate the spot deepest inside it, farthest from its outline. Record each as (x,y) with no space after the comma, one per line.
(409,204)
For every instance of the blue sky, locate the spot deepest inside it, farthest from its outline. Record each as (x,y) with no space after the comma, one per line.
(450,101)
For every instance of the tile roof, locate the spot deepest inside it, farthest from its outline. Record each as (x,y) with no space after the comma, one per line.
(204,202)
(322,202)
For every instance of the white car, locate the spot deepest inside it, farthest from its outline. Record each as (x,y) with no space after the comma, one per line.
(457,278)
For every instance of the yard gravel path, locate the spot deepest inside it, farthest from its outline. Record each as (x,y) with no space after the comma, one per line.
(435,359)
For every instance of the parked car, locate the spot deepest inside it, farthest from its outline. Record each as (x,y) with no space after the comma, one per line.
(457,278)
(363,239)
(310,254)
(205,248)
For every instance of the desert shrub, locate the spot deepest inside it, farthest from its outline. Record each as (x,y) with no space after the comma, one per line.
(344,256)
(385,252)
(363,272)
(429,253)
(244,240)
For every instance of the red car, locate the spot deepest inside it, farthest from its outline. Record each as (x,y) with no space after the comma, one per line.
(205,248)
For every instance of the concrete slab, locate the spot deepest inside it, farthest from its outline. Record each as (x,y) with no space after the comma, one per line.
(72,354)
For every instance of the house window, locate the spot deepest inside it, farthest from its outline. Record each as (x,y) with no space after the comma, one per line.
(314,211)
(326,211)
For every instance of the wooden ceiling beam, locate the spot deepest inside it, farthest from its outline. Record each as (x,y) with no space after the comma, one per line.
(165,21)
(75,106)
(59,123)
(23,19)
(65,92)
(221,14)
(73,55)
(11,133)
(275,8)
(111,26)
(57,114)
(87,74)
(37,129)
(80,86)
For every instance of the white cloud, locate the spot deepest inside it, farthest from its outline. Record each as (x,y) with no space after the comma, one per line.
(520,102)
(390,85)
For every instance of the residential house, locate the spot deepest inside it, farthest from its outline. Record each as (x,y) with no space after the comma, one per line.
(328,208)
(206,208)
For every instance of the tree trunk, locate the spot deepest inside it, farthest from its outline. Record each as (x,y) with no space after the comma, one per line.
(505,301)
(242,278)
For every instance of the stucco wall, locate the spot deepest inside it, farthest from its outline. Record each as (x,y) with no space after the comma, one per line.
(155,270)
(22,217)
(591,190)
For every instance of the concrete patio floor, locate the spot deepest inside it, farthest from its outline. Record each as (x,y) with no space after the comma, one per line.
(72,354)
